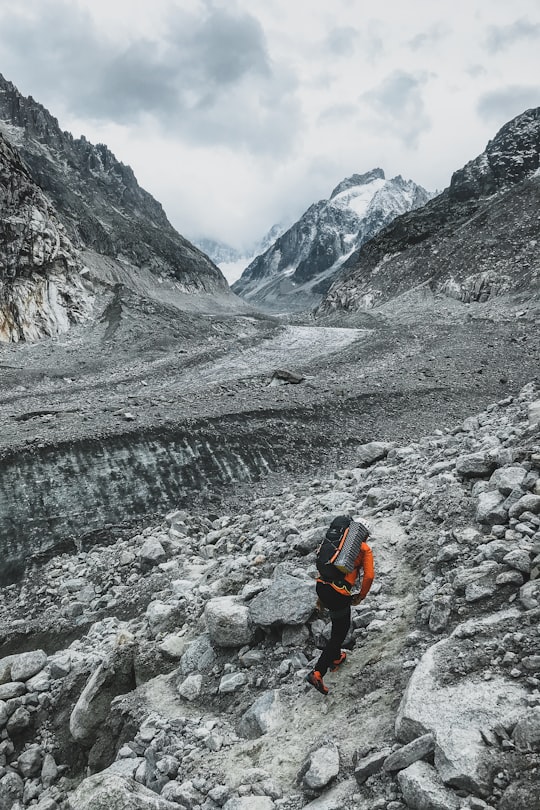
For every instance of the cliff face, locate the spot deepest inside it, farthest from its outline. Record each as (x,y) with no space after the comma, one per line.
(98,198)
(41,286)
(475,240)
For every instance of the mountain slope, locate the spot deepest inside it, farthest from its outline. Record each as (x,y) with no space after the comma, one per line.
(477,239)
(103,207)
(297,269)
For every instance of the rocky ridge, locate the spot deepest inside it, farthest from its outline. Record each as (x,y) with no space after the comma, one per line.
(172,663)
(294,272)
(475,241)
(110,226)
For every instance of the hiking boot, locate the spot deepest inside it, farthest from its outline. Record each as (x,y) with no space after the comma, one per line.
(315,679)
(338,662)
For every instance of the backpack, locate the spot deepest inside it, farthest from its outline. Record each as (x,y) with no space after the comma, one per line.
(340,547)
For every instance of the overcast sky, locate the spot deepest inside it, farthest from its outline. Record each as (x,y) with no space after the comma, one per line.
(236,114)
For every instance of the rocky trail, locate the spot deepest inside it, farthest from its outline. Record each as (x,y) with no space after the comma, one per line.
(167,668)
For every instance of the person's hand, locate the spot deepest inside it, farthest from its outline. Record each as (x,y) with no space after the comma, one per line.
(356,599)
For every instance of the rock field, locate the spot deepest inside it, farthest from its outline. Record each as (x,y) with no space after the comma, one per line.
(167,669)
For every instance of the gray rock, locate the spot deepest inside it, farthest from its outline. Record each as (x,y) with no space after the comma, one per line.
(456,713)
(476,465)
(368,453)
(110,791)
(163,617)
(288,600)
(152,552)
(526,733)
(19,720)
(529,594)
(521,795)
(199,656)
(263,716)
(481,589)
(506,479)
(8,691)
(527,503)
(232,681)
(534,413)
(11,789)
(113,677)
(49,770)
(440,613)
(30,762)
(5,668)
(412,752)
(3,714)
(490,509)
(228,622)
(190,688)
(423,789)
(249,803)
(370,764)
(519,559)
(321,768)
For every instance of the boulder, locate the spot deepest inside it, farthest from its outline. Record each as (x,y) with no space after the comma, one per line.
(455,713)
(110,791)
(287,600)
(263,716)
(529,594)
(113,677)
(521,795)
(190,687)
(199,656)
(152,552)
(476,465)
(30,762)
(228,622)
(321,767)
(533,413)
(368,453)
(527,503)
(489,509)
(370,764)
(526,733)
(506,479)
(423,789)
(5,668)
(412,752)
(249,803)
(163,617)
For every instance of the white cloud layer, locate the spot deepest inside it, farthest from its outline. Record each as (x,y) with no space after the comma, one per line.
(236,114)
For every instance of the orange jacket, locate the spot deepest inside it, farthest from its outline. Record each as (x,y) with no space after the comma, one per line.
(364,561)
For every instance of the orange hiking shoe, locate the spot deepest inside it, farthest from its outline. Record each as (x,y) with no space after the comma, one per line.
(338,662)
(315,679)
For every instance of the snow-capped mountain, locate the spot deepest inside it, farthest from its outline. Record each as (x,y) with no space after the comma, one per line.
(477,240)
(231,261)
(301,264)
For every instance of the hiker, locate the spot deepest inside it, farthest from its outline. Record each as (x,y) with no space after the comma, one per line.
(334,590)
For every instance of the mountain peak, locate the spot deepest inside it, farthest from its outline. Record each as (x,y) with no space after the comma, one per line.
(357,180)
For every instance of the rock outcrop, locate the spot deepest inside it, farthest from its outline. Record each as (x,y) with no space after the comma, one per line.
(42,288)
(475,241)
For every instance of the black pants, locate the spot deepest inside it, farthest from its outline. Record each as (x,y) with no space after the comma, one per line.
(339,606)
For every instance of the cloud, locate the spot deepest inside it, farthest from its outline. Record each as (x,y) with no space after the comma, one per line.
(504,104)
(209,79)
(503,36)
(338,112)
(399,106)
(432,36)
(342,41)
